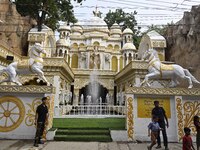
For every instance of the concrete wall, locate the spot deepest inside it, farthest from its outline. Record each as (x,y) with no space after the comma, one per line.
(180,104)
(18,110)
(141,130)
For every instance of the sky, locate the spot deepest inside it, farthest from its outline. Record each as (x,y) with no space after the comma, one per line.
(157,12)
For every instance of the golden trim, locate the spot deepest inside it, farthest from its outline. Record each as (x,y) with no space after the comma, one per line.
(165,67)
(163,91)
(26,89)
(190,110)
(30,116)
(37,60)
(51,110)
(9,111)
(180,118)
(130,122)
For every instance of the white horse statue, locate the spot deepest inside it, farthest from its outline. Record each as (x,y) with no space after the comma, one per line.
(159,70)
(33,65)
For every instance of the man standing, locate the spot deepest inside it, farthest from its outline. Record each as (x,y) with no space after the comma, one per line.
(40,119)
(160,113)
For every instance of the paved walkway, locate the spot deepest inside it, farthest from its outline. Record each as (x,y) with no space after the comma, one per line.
(53,145)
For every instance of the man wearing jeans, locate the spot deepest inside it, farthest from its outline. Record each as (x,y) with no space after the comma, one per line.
(40,119)
(160,113)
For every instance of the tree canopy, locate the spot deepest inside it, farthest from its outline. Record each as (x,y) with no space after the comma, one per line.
(48,12)
(124,20)
(160,29)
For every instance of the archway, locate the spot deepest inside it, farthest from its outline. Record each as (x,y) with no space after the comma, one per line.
(88,91)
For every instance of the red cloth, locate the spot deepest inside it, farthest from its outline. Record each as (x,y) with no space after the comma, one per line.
(187,143)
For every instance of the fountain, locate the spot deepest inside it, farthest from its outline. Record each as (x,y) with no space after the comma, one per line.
(94,88)
(100,103)
(81,104)
(82,100)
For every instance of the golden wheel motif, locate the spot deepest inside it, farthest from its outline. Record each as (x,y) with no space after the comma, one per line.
(12,112)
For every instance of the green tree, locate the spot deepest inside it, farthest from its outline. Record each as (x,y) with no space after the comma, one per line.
(160,29)
(48,12)
(124,20)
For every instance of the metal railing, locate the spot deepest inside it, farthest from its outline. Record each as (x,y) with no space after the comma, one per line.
(96,110)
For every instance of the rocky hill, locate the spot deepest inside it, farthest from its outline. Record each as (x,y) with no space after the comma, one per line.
(183,41)
(13,28)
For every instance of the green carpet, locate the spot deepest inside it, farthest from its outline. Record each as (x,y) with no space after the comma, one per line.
(100,135)
(86,129)
(102,123)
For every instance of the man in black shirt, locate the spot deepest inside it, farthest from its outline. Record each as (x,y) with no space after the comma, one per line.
(40,119)
(160,113)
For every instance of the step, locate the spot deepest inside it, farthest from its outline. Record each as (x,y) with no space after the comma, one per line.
(82,132)
(97,138)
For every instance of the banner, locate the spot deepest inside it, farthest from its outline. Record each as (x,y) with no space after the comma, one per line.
(145,106)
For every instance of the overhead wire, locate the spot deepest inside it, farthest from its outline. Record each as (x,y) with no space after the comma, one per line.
(119,2)
(166,2)
(148,16)
(142,6)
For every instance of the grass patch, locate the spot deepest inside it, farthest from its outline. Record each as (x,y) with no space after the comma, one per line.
(101,123)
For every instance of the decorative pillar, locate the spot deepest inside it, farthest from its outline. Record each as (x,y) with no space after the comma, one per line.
(67,56)
(123,61)
(88,60)
(133,56)
(101,61)
(70,61)
(126,59)
(79,62)
(56,84)
(179,117)
(118,58)
(111,97)
(130,117)
(76,97)
(111,63)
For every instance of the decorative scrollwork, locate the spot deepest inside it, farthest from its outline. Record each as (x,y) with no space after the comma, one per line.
(51,110)
(190,110)
(130,116)
(26,89)
(30,116)
(80,83)
(179,109)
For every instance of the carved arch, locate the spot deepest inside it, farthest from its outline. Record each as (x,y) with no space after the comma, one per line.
(96,43)
(80,83)
(110,47)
